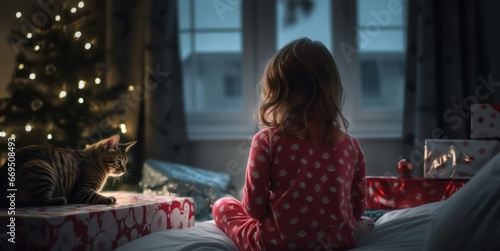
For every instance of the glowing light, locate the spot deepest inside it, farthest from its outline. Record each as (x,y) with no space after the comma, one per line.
(58,18)
(20,66)
(18,14)
(49,136)
(37,47)
(130,87)
(32,76)
(62,94)
(123,128)
(28,127)
(73,10)
(97,81)
(78,34)
(81,84)
(13,136)
(3,134)
(29,35)
(87,46)
(81,4)
(80,100)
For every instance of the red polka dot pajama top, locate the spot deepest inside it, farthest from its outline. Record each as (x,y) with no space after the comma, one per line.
(297,195)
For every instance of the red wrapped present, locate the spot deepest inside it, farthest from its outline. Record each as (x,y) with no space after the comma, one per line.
(389,193)
(485,121)
(95,227)
(458,159)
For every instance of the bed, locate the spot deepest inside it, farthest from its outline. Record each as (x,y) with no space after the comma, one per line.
(468,220)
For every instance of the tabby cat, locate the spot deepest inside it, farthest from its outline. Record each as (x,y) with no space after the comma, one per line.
(48,176)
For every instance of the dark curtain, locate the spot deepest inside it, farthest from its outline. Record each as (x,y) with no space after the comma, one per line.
(446,62)
(143,52)
(164,115)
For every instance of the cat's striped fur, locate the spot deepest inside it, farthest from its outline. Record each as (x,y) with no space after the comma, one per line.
(54,176)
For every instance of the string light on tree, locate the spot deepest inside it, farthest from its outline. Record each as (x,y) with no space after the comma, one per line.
(81,84)
(3,134)
(36,48)
(20,66)
(80,100)
(73,10)
(123,128)
(97,81)
(32,76)
(130,87)
(81,4)
(62,94)
(28,128)
(19,14)
(29,35)
(78,34)
(87,46)
(49,136)
(57,18)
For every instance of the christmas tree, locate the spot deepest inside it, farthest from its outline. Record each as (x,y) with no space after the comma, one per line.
(58,92)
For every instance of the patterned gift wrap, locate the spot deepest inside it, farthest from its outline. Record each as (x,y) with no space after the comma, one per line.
(485,121)
(96,227)
(457,159)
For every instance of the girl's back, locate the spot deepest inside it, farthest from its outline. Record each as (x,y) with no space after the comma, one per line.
(311,198)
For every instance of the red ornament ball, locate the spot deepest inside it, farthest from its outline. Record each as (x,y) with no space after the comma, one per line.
(405,168)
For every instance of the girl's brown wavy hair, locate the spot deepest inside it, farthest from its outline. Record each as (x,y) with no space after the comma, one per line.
(301,84)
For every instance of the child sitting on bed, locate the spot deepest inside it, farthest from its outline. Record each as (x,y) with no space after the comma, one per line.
(305,184)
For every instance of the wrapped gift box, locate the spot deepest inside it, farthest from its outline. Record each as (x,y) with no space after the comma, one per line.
(460,159)
(96,227)
(485,121)
(204,186)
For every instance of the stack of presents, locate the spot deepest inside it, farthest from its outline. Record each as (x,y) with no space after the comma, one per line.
(463,158)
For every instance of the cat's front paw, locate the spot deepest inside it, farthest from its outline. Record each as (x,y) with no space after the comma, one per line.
(109,200)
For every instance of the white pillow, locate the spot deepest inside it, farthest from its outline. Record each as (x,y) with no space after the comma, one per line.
(470,218)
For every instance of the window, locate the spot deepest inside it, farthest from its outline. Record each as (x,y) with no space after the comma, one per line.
(226,43)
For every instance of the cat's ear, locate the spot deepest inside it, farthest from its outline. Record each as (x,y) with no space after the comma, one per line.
(111,142)
(127,146)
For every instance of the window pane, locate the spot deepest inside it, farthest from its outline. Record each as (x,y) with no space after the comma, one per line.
(304,18)
(213,82)
(380,12)
(185,45)
(381,40)
(218,42)
(382,80)
(217,14)
(211,57)
(184,12)
(381,35)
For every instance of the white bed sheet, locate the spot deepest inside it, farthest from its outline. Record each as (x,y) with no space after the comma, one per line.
(404,229)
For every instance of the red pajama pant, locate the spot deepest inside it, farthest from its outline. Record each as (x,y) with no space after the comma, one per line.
(230,217)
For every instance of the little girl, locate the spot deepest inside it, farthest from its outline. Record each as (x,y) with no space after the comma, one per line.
(305,184)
